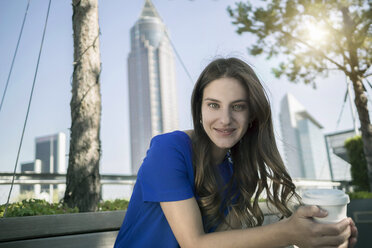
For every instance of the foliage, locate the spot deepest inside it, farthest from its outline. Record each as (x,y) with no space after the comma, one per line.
(360,195)
(118,204)
(43,196)
(33,207)
(315,36)
(359,172)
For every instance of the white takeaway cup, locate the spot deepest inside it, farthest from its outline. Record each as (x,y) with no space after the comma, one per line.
(334,201)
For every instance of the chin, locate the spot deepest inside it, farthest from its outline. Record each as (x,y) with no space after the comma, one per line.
(224,145)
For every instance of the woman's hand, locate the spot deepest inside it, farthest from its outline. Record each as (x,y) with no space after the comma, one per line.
(354,234)
(307,233)
(185,220)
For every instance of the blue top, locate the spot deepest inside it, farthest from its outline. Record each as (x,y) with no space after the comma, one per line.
(166,174)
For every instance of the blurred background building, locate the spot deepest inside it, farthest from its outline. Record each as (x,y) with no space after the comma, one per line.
(337,154)
(152,83)
(50,157)
(305,149)
(31,167)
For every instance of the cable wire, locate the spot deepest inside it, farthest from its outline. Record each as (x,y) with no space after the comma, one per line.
(365,89)
(14,56)
(370,85)
(179,58)
(342,109)
(28,109)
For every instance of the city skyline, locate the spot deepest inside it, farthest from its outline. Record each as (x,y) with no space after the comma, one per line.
(200,31)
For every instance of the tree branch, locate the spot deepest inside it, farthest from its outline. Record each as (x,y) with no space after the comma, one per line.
(316,50)
(329,69)
(329,25)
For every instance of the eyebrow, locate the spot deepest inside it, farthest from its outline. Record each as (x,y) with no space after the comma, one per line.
(215,100)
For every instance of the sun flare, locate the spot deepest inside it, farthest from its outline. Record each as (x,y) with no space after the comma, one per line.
(316,33)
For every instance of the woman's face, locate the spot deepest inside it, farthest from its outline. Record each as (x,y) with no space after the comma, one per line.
(225,112)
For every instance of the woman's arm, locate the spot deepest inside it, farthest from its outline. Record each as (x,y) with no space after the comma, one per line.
(185,219)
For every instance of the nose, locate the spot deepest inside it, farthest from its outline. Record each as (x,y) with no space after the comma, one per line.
(225,117)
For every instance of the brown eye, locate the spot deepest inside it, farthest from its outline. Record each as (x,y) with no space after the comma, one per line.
(213,105)
(238,107)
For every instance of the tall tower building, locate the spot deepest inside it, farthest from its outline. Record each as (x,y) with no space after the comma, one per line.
(152,83)
(304,143)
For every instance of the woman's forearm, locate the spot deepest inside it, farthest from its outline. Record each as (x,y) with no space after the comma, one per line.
(273,235)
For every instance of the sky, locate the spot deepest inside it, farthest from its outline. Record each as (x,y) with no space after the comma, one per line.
(201,30)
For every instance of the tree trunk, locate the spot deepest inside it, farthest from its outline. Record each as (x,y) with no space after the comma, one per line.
(365,123)
(83,179)
(360,98)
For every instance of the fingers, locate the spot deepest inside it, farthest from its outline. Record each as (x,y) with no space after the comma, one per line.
(311,211)
(342,234)
(352,242)
(336,229)
(338,239)
(354,234)
(354,230)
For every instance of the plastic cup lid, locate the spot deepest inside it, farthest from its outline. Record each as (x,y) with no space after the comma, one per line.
(325,197)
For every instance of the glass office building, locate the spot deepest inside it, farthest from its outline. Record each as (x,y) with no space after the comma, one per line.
(337,154)
(152,83)
(50,150)
(50,157)
(305,150)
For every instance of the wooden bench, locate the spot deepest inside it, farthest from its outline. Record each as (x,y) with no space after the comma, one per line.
(97,229)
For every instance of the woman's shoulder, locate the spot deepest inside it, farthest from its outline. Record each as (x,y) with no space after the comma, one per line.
(175,137)
(167,146)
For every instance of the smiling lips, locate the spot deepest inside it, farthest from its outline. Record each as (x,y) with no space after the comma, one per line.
(225,131)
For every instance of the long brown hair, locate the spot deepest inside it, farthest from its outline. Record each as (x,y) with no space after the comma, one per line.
(257,164)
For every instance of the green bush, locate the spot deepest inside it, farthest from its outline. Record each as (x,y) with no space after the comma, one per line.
(35,207)
(118,204)
(360,195)
(359,173)
(32,207)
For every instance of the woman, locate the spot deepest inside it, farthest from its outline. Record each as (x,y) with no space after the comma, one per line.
(200,188)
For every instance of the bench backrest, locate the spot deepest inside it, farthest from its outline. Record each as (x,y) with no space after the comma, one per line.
(98,229)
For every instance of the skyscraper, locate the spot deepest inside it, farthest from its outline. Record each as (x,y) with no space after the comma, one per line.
(51,151)
(50,157)
(304,144)
(31,167)
(152,84)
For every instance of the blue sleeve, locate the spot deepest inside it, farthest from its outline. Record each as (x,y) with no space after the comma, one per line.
(164,173)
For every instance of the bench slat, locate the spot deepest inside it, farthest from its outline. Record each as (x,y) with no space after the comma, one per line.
(91,240)
(29,227)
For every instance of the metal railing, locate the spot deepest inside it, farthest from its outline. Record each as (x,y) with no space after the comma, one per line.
(55,178)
